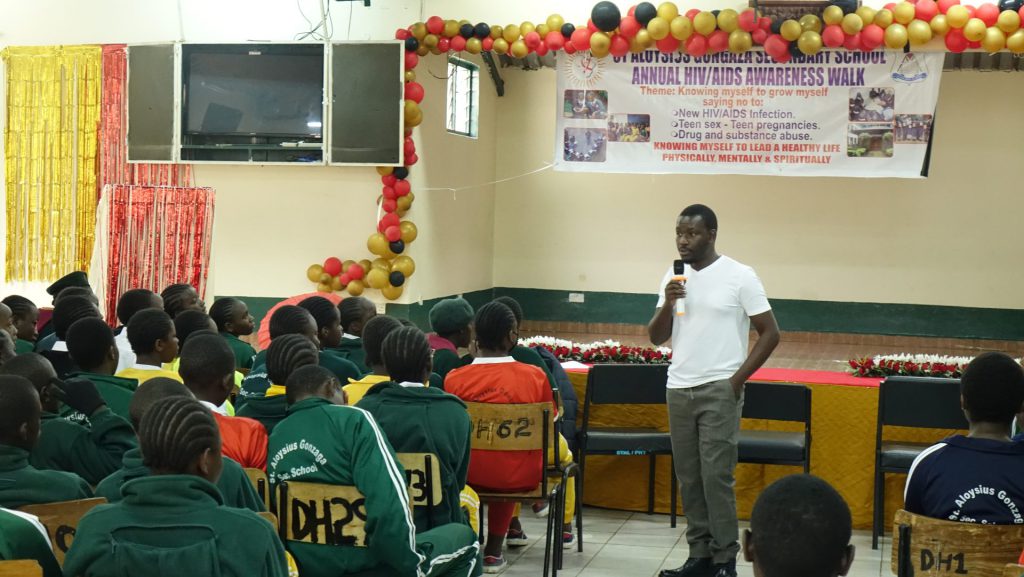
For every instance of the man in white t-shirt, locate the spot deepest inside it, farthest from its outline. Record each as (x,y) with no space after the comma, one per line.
(710,365)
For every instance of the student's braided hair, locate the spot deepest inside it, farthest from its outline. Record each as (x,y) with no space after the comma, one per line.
(71,309)
(514,306)
(493,323)
(352,309)
(174,431)
(376,330)
(174,298)
(287,353)
(324,312)
(406,354)
(20,306)
(290,320)
(223,311)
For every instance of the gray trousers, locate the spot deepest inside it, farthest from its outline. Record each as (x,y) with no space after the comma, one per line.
(704,423)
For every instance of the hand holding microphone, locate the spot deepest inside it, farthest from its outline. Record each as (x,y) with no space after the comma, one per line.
(675,291)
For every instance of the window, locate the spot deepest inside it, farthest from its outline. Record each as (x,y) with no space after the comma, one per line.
(463,98)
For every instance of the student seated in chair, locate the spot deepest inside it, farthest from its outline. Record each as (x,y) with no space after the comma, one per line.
(452,323)
(174,521)
(374,332)
(22,536)
(285,355)
(345,446)
(986,464)
(93,348)
(354,312)
(131,302)
(25,317)
(234,321)
(800,527)
(329,335)
(420,419)
(66,312)
(20,483)
(91,452)
(181,297)
(155,342)
(234,485)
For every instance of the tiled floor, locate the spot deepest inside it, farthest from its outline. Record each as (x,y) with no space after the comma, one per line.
(624,544)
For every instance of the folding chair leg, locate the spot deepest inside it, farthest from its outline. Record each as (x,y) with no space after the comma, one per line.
(879,507)
(650,485)
(578,479)
(675,493)
(547,542)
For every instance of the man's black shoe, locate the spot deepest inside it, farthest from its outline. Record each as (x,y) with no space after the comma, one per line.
(724,569)
(694,567)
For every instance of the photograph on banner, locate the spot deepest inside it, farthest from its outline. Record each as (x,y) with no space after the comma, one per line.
(837,113)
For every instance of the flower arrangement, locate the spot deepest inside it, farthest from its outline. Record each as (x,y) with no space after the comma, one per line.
(909,365)
(600,351)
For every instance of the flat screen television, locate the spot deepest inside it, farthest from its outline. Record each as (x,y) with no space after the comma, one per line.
(271,90)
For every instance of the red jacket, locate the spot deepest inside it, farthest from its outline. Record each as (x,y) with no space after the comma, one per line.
(244,440)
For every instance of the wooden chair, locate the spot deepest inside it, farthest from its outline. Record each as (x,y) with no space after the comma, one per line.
(20,568)
(272,519)
(1013,570)
(423,477)
(61,519)
(529,427)
(925,547)
(319,513)
(258,478)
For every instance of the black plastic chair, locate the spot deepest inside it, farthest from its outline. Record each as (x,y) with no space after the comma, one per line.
(627,385)
(921,402)
(777,402)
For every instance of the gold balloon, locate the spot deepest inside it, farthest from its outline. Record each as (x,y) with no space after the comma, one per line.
(896,36)
(555,22)
(510,33)
(681,28)
(324,287)
(974,30)
(600,43)
(518,49)
(430,40)
(867,14)
(336,284)
(346,264)
(496,31)
(313,272)
(1016,42)
(463,22)
(385,170)
(404,202)
(415,121)
(635,46)
(451,28)
(355,288)
(377,278)
(809,42)
(957,16)
(419,30)
(392,292)
(832,15)
(852,24)
(542,30)
(404,265)
(919,31)
(474,46)
(704,23)
(904,12)
(740,41)
(409,231)
(410,76)
(412,109)
(994,40)
(422,50)
(791,29)
(324,278)
(1008,21)
(377,244)
(500,46)
(643,37)
(381,263)
(939,25)
(884,18)
(810,22)
(668,11)
(526,27)
(658,28)
(728,20)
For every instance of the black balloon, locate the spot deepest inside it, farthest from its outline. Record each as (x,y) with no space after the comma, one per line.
(411,44)
(401,172)
(567,30)
(716,13)
(482,30)
(1010,5)
(606,16)
(396,278)
(466,30)
(397,247)
(644,13)
(777,26)
(794,50)
(848,6)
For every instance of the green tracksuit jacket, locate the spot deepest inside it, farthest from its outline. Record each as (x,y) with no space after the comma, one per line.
(256,382)
(446,361)
(173,525)
(244,353)
(529,356)
(117,392)
(426,420)
(90,452)
(234,485)
(325,443)
(22,484)
(19,539)
(352,349)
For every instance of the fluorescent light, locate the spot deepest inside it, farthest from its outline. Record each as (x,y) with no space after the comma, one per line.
(314,124)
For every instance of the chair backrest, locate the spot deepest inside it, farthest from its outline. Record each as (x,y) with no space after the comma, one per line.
(620,384)
(1013,570)
(423,476)
(925,547)
(258,478)
(20,568)
(61,520)
(777,402)
(319,513)
(920,402)
(271,518)
(515,427)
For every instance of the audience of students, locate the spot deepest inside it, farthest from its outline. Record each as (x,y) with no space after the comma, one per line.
(233,321)
(155,342)
(131,302)
(286,354)
(93,349)
(452,323)
(355,312)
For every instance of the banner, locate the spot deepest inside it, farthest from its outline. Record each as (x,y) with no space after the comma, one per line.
(837,113)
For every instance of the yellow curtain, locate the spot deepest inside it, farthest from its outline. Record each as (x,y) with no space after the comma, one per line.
(53,114)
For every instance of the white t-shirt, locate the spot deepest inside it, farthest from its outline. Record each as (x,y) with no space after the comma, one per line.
(126,358)
(711,341)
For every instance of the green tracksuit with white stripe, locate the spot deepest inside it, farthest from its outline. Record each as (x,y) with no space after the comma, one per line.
(320,442)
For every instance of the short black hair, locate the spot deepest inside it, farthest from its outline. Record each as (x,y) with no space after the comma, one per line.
(133,301)
(801,528)
(206,359)
(706,214)
(353,309)
(223,311)
(290,320)
(493,322)
(146,328)
(376,330)
(324,312)
(993,388)
(71,309)
(19,305)
(76,291)
(19,400)
(30,366)
(154,390)
(174,432)
(191,321)
(406,354)
(286,354)
(514,306)
(89,342)
(174,298)
(307,381)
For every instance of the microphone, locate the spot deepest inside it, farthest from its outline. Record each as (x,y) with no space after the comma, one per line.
(678,269)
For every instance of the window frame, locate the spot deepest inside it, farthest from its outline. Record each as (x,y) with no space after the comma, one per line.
(473,95)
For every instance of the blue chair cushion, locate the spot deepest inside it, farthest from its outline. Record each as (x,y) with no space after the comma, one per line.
(627,441)
(759,446)
(901,455)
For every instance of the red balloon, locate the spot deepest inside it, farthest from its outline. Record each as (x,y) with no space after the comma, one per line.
(629,26)
(718,41)
(775,45)
(487,44)
(632,10)
(411,60)
(411,159)
(532,40)
(759,36)
(890,6)
(444,44)
(355,272)
(1021,12)
(402,187)
(988,13)
(569,48)
(955,40)
(388,179)
(970,11)
(692,12)
(926,10)
(344,279)
(542,49)
(945,5)
(832,36)
(591,26)
(696,45)
(332,266)
(410,147)
(973,45)
(620,46)
(748,20)
(414,92)
(392,233)
(765,23)
(389,192)
(458,43)
(784,57)
(581,39)
(554,40)
(402,34)
(435,25)
(667,44)
(390,219)
(388,205)
(852,42)
(872,36)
